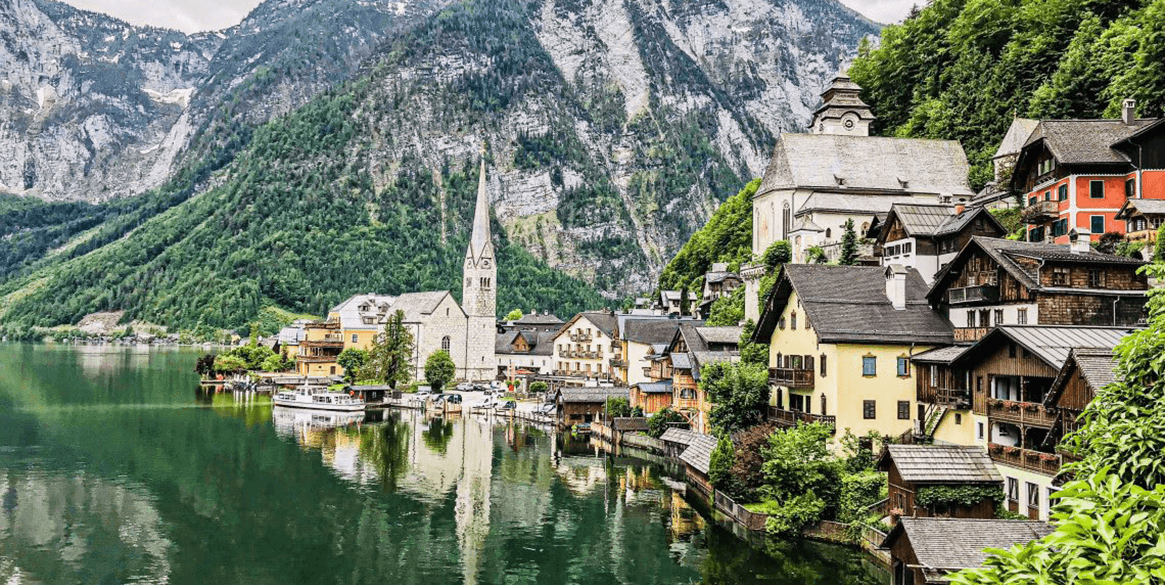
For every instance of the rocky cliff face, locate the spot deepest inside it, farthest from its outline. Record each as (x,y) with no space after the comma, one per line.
(615,127)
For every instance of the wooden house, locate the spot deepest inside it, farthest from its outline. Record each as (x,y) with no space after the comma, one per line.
(1003,282)
(652,397)
(691,348)
(676,440)
(584,405)
(697,459)
(912,470)
(1142,217)
(1086,371)
(926,236)
(923,551)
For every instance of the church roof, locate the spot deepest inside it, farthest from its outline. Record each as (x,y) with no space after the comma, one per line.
(1016,137)
(362,311)
(417,305)
(864,163)
(480,236)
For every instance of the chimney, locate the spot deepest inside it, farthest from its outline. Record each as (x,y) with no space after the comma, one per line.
(1129,111)
(1080,241)
(959,208)
(896,286)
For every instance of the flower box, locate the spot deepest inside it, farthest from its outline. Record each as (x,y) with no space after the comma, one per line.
(1011,405)
(1011,450)
(996,449)
(1031,455)
(1031,407)
(1047,457)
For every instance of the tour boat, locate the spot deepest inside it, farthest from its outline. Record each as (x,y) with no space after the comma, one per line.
(333,401)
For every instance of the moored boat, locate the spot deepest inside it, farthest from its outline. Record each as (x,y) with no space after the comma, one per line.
(318,400)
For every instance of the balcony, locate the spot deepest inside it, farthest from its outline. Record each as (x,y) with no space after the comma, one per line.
(618,362)
(1045,463)
(316,359)
(970,334)
(796,378)
(330,340)
(790,418)
(1146,236)
(579,337)
(981,293)
(1020,413)
(956,398)
(1041,211)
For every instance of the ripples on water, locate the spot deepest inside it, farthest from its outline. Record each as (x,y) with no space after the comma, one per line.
(116,470)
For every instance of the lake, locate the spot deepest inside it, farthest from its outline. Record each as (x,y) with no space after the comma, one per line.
(115,468)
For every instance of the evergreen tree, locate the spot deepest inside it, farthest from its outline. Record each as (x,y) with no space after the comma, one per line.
(388,358)
(849,245)
(739,393)
(685,303)
(439,369)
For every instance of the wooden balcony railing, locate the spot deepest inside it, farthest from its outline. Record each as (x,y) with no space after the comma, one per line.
(957,398)
(791,377)
(618,363)
(970,334)
(979,293)
(1147,236)
(1020,413)
(789,418)
(1041,211)
(580,337)
(1046,463)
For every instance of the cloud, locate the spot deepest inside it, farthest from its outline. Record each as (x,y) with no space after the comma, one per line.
(884,11)
(185,15)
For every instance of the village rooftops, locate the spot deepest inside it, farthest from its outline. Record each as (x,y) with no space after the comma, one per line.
(648,331)
(1050,343)
(848,304)
(362,311)
(940,464)
(1017,135)
(1086,141)
(605,321)
(539,342)
(925,220)
(950,544)
(866,163)
(1095,366)
(591,394)
(699,452)
(679,436)
(1135,207)
(660,387)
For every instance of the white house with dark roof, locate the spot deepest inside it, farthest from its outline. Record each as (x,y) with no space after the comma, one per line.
(928,236)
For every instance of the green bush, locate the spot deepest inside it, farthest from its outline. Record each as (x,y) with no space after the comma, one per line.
(229,364)
(661,421)
(792,515)
(720,465)
(858,492)
(538,387)
(617,406)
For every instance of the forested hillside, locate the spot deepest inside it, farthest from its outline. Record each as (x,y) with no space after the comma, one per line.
(961,69)
(727,237)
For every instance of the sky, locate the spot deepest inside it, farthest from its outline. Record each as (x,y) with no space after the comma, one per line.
(203,15)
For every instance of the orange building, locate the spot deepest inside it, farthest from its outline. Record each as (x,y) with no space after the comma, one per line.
(1077,174)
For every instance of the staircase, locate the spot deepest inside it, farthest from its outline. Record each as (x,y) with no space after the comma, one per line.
(924,429)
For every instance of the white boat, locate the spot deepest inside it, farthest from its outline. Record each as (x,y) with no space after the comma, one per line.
(318,400)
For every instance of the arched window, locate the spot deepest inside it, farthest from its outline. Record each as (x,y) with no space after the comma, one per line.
(828,232)
(445,343)
(786,221)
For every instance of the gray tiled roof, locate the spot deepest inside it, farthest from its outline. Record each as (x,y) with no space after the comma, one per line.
(661,387)
(1050,343)
(848,304)
(1084,141)
(1096,366)
(649,331)
(1134,207)
(926,220)
(540,319)
(941,464)
(849,203)
(540,342)
(720,334)
(604,320)
(681,436)
(866,162)
(680,360)
(699,452)
(575,395)
(417,305)
(939,355)
(960,543)
(703,358)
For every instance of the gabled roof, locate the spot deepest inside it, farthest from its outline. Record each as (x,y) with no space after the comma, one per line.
(699,452)
(1016,137)
(677,435)
(960,543)
(700,359)
(934,220)
(540,319)
(417,305)
(1050,343)
(945,464)
(353,311)
(939,355)
(848,304)
(592,394)
(906,165)
(1096,366)
(721,335)
(660,387)
(540,342)
(604,320)
(1135,207)
(1084,141)
(649,331)
(1006,252)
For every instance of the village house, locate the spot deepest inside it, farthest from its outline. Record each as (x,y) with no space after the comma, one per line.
(639,339)
(1086,371)
(582,348)
(524,352)
(927,237)
(584,405)
(997,194)
(914,470)
(816,182)
(718,282)
(1142,217)
(435,319)
(997,393)
(841,343)
(1076,174)
(923,551)
(678,368)
(671,302)
(996,281)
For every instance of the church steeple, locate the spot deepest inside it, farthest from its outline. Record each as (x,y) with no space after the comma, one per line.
(480,237)
(842,110)
(479,296)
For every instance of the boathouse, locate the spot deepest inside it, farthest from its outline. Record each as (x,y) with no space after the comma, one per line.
(697,460)
(585,405)
(926,550)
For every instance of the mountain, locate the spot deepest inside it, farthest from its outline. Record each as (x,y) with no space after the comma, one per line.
(614,129)
(963,70)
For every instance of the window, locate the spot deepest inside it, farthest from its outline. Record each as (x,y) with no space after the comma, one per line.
(958,418)
(445,343)
(1096,189)
(828,233)
(1062,192)
(687,393)
(980,430)
(903,410)
(781,324)
(1060,276)
(793,320)
(869,409)
(823,413)
(1097,224)
(1047,195)
(869,366)
(822,365)
(1021,316)
(1059,227)
(1033,199)
(1033,495)
(1013,489)
(985,318)
(355,338)
(1036,235)
(970,318)
(1095,278)
(903,367)
(1131,188)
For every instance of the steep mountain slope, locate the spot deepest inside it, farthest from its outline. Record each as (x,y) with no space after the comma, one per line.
(962,70)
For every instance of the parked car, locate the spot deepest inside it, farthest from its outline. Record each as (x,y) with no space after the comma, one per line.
(481,387)
(507,405)
(464,387)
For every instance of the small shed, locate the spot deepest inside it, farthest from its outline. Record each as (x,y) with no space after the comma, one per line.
(652,397)
(697,459)
(913,469)
(369,394)
(925,550)
(675,440)
(585,405)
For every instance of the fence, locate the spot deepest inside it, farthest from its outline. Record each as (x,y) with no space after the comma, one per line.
(740,514)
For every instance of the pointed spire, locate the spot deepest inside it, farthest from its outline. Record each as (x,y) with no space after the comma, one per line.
(481,235)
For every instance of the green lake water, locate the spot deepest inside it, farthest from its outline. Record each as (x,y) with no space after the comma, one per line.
(114,468)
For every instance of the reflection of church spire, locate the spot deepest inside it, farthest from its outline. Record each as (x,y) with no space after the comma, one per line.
(472,509)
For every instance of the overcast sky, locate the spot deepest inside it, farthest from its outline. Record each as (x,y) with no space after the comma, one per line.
(201,15)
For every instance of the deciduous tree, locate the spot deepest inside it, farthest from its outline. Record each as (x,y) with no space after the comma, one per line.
(439,369)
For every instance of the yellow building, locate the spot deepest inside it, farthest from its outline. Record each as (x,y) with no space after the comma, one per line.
(841,341)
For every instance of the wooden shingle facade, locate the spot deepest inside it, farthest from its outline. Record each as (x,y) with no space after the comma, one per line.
(913,468)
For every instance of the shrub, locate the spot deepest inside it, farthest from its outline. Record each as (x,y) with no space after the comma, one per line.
(618,406)
(720,465)
(662,420)
(858,492)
